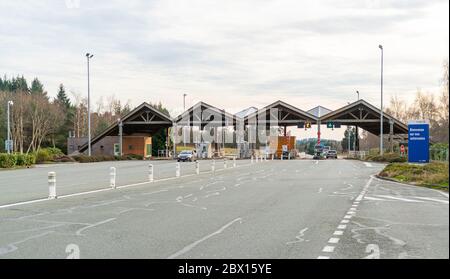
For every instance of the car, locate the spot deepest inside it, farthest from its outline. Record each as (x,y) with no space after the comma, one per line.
(186,156)
(332,154)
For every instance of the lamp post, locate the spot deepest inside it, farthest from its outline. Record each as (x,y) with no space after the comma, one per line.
(89,56)
(184,109)
(8,146)
(381,118)
(357,131)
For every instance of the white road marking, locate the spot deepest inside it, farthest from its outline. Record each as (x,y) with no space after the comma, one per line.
(328,249)
(373,199)
(194,244)
(94,225)
(397,198)
(299,237)
(348,217)
(431,199)
(374,250)
(13,246)
(317,162)
(338,233)
(369,165)
(323,258)
(345,221)
(320,190)
(333,240)
(342,227)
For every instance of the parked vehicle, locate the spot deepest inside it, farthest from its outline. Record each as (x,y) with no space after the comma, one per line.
(186,156)
(332,154)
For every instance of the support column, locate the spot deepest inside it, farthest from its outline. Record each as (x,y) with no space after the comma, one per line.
(121,138)
(391,135)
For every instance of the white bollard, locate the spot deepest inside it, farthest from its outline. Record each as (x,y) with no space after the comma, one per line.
(112,177)
(282,156)
(234,162)
(252,159)
(289,156)
(213,166)
(52,185)
(225,163)
(150,173)
(262,158)
(197,167)
(272,157)
(178,170)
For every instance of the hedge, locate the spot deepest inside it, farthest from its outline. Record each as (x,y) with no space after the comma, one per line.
(103,158)
(8,161)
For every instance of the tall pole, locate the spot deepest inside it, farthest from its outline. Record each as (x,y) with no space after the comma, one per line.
(184,130)
(357,131)
(381,118)
(89,56)
(8,137)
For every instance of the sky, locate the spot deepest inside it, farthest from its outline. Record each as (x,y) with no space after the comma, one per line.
(230,54)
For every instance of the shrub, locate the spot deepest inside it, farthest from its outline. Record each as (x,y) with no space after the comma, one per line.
(43,155)
(7,160)
(63,159)
(25,160)
(387,157)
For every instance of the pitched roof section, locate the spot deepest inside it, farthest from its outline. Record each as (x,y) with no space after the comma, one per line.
(200,114)
(142,118)
(366,116)
(319,111)
(245,112)
(288,115)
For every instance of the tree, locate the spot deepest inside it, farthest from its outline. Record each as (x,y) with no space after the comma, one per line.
(37,88)
(159,139)
(61,97)
(350,133)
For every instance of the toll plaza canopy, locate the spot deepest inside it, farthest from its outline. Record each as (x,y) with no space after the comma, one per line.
(203,114)
(367,117)
(286,115)
(144,119)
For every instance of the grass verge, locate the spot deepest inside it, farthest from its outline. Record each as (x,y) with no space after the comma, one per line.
(432,175)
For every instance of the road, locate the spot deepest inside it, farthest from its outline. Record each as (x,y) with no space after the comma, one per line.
(275,209)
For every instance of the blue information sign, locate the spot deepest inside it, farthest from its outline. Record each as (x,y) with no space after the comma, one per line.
(418,142)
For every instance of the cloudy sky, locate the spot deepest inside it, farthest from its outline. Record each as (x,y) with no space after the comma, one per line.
(231,54)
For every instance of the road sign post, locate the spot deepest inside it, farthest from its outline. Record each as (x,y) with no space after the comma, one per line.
(418,142)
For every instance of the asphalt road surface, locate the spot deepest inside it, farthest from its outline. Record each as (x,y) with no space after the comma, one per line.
(274,209)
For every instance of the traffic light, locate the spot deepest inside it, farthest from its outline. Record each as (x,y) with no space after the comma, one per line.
(330,125)
(308,125)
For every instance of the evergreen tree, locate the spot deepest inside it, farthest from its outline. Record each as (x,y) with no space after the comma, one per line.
(37,88)
(61,97)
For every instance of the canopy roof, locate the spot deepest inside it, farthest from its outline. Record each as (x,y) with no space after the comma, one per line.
(288,115)
(365,116)
(143,119)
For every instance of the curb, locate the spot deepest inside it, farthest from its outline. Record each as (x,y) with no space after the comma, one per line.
(440,188)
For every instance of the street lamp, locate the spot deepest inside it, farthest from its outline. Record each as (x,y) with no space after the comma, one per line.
(8,145)
(184,109)
(381,118)
(356,144)
(89,56)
